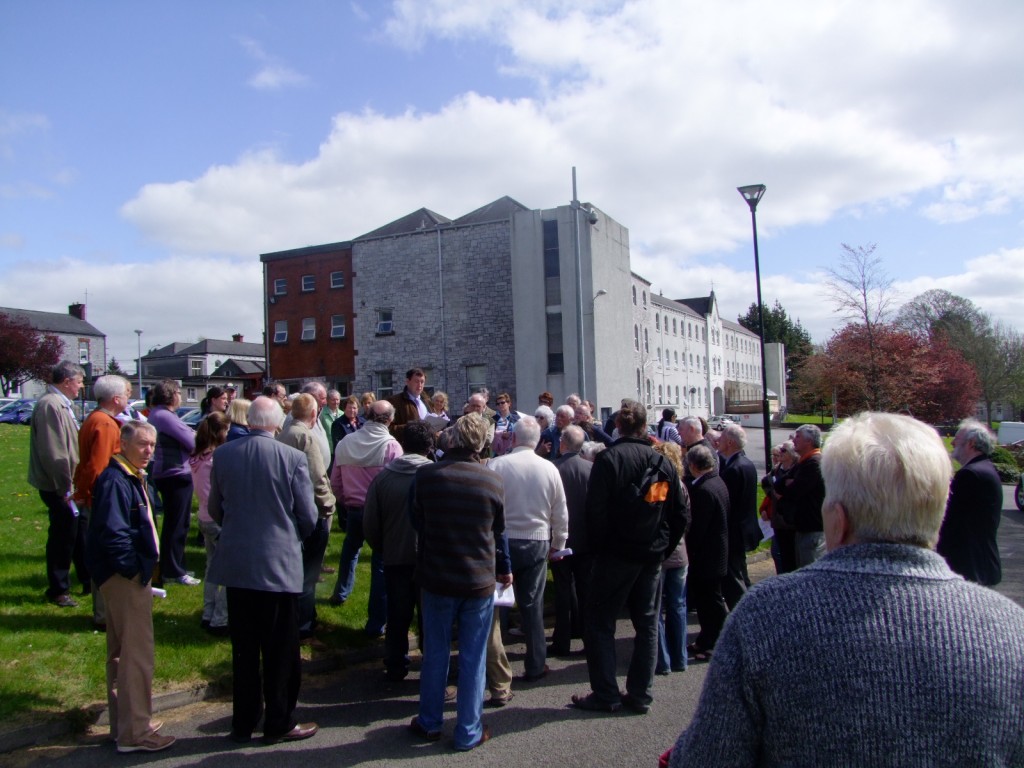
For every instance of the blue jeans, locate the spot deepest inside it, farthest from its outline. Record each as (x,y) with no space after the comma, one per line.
(377,610)
(672,621)
(530,571)
(474,616)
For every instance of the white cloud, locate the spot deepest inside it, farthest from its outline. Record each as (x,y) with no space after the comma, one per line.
(274,74)
(182,298)
(665,107)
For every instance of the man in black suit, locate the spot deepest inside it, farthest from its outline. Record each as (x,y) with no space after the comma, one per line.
(740,478)
(967,538)
(706,547)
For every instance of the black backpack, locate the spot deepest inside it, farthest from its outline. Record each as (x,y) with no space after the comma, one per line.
(637,528)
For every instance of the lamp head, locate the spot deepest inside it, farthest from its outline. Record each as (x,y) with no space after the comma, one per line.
(752,193)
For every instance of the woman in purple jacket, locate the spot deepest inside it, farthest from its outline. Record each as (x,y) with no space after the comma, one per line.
(175,442)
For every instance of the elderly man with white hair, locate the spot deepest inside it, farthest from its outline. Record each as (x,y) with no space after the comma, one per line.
(877,653)
(968,536)
(537,523)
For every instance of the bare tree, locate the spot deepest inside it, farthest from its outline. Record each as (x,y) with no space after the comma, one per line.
(862,293)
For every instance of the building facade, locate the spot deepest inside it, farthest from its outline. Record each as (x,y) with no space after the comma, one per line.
(200,365)
(515,299)
(309,315)
(83,343)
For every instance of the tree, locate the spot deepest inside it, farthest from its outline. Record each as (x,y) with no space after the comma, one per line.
(25,354)
(114,368)
(941,313)
(932,381)
(998,360)
(779,328)
(862,293)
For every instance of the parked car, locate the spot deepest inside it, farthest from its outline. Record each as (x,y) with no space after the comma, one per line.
(717,422)
(1018,495)
(193,417)
(18,412)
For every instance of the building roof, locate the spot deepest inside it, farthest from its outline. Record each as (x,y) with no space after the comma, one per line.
(308,250)
(699,304)
(737,327)
(209,347)
(53,322)
(417,221)
(240,368)
(500,209)
(661,301)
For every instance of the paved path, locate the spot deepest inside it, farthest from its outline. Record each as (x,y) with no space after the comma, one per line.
(362,718)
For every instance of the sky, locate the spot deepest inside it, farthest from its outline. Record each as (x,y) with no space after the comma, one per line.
(150,152)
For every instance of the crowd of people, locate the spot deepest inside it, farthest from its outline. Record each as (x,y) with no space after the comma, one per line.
(626,516)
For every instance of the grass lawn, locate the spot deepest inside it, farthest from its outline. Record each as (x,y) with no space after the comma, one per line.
(51,659)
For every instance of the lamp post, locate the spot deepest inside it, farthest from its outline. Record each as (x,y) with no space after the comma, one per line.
(752,194)
(138,365)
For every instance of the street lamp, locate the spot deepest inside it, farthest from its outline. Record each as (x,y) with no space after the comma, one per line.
(138,365)
(752,194)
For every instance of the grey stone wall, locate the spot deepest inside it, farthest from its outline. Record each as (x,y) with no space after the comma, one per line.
(472,327)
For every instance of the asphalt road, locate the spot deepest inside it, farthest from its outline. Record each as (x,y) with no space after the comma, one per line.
(363,718)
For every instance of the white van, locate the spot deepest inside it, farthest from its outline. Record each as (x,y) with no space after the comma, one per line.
(1011,432)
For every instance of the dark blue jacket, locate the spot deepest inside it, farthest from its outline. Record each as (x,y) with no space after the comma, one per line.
(121,539)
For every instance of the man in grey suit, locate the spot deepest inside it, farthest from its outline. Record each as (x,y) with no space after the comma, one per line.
(261,495)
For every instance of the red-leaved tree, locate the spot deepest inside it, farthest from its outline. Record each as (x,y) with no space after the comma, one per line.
(891,370)
(25,354)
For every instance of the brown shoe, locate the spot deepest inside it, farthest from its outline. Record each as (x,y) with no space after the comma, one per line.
(64,601)
(298,733)
(499,699)
(416,727)
(485,736)
(152,742)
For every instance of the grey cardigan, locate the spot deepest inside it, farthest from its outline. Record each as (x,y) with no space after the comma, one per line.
(875,655)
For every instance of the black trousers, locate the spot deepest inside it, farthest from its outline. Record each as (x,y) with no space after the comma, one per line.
(736,580)
(65,543)
(711,609)
(264,625)
(176,493)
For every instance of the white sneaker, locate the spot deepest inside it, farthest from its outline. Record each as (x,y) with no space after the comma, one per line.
(188,581)
(153,742)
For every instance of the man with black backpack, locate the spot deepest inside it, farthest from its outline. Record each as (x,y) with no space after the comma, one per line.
(636,515)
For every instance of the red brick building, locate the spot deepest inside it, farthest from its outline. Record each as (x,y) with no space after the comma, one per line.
(309,316)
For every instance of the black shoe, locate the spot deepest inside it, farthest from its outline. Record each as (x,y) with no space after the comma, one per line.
(559,651)
(591,703)
(534,678)
(64,601)
(634,704)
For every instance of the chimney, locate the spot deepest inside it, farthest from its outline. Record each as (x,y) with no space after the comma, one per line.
(237,337)
(77,310)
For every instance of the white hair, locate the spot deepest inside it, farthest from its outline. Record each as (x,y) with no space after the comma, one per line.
(265,413)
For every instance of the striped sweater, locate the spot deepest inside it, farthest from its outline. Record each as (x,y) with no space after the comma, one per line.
(458,511)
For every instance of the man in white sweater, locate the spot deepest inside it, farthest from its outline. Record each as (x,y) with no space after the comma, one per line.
(537,524)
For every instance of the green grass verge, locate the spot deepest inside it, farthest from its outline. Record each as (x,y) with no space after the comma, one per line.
(51,659)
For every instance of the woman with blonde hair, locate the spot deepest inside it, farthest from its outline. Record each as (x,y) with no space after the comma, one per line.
(238,414)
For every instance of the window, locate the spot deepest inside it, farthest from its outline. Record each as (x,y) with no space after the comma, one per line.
(675,358)
(280,287)
(674,327)
(689,330)
(556,359)
(308,283)
(657,321)
(661,394)
(637,378)
(552,265)
(337,326)
(195,367)
(385,322)
(190,394)
(280,331)
(658,356)
(647,346)
(636,338)
(677,395)
(643,295)
(634,304)
(309,329)
(476,378)
(385,384)
(83,351)
(337,279)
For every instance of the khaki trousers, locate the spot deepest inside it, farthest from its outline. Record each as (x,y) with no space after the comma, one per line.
(129,658)
(499,671)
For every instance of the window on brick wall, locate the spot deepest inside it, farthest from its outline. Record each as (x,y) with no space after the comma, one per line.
(309,329)
(280,331)
(280,287)
(308,283)
(337,279)
(337,326)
